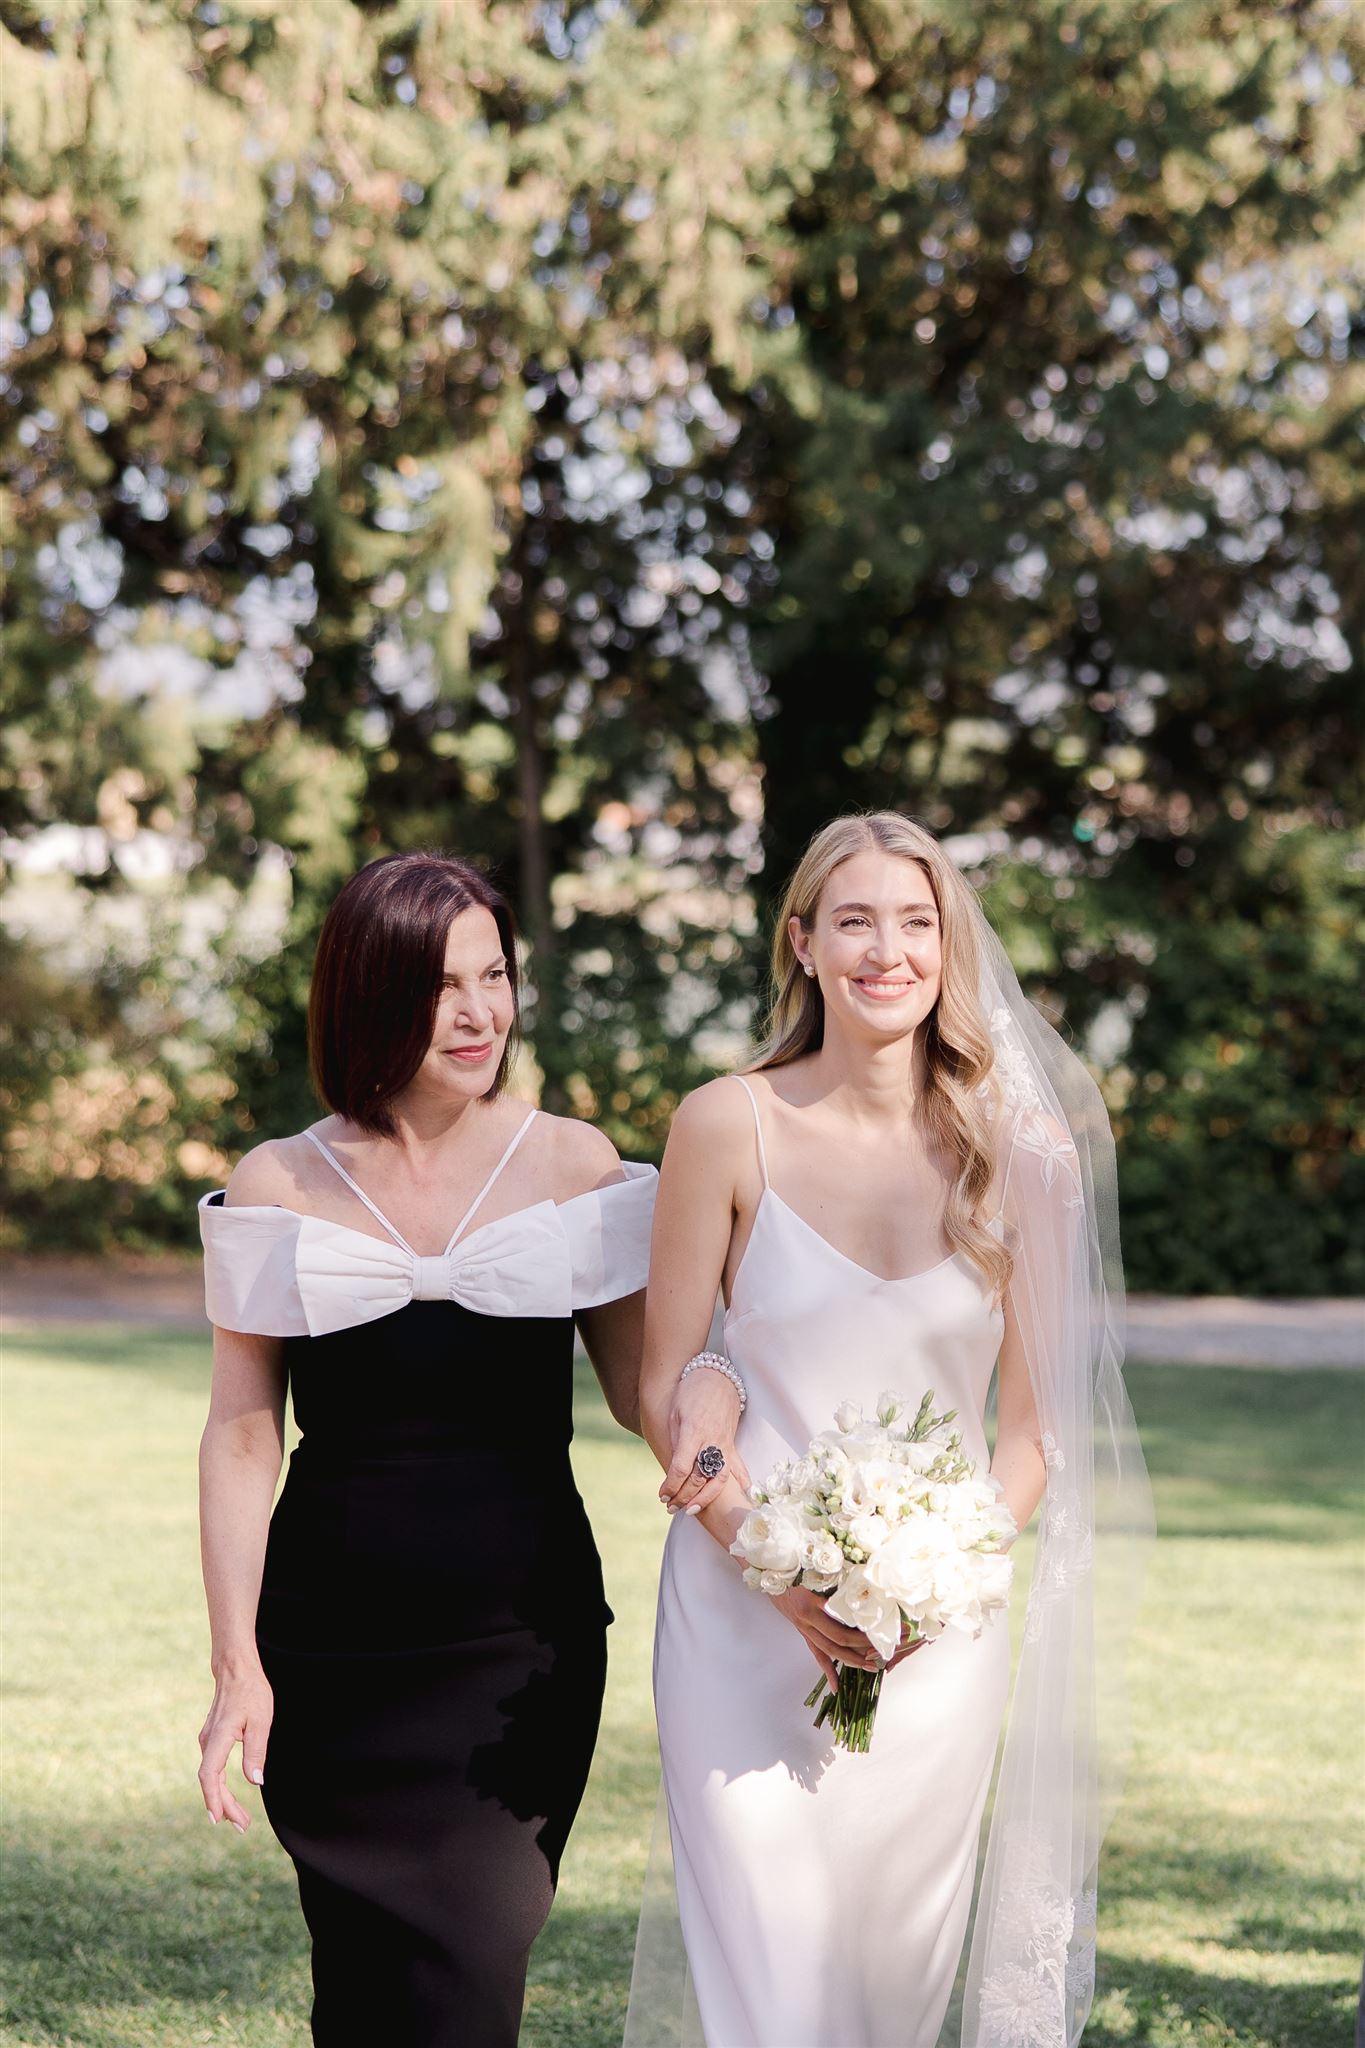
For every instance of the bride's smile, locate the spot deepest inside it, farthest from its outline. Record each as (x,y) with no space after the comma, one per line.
(882,991)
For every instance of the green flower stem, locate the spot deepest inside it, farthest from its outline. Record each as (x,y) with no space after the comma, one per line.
(852,1709)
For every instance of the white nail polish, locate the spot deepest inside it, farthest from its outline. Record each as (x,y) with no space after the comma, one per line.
(695,1509)
(258,1777)
(238,1825)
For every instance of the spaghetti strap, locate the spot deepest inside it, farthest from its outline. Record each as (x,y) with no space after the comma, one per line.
(758,1126)
(522,1128)
(356,1189)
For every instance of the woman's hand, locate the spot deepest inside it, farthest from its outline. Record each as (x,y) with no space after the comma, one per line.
(705,1410)
(907,1649)
(242,1711)
(828,1640)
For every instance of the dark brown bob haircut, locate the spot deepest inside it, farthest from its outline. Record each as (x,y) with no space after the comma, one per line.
(377,979)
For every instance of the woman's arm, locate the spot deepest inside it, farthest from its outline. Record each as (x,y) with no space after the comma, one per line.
(613,1332)
(613,1336)
(239,1462)
(584,1159)
(693,1219)
(1018,1460)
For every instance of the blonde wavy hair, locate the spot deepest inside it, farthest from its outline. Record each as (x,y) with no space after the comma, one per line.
(955,1117)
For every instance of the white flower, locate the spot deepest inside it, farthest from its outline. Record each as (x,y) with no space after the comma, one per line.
(868,1532)
(905,1565)
(994,1576)
(977,1514)
(770,1538)
(890,1407)
(860,1604)
(774,1582)
(847,1416)
(919,1457)
(832,1464)
(802,1475)
(956,1596)
(872,1483)
(821,1555)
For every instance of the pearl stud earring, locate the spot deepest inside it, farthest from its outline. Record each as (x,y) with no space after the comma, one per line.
(808,967)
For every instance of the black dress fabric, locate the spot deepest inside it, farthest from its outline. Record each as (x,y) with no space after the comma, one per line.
(433,1624)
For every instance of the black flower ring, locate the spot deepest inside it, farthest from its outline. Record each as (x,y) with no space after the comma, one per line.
(711,1461)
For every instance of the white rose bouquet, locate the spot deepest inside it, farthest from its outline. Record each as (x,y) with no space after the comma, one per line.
(891,1521)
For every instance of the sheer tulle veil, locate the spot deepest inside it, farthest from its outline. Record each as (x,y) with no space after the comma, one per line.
(1027,1973)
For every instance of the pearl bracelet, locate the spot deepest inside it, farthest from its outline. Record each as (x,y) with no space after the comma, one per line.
(714,1362)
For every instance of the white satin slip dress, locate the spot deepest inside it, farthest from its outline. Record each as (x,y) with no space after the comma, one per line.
(824,1896)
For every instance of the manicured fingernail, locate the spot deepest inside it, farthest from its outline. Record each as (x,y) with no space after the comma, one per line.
(695,1508)
(213,1820)
(238,1825)
(258,1777)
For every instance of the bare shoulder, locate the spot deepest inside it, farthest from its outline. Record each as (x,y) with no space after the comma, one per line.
(275,1172)
(581,1157)
(716,1114)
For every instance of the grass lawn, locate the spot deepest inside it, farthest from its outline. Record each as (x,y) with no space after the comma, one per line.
(1231,1891)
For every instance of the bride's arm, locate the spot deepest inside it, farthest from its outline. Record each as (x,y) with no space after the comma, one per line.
(694,1215)
(1045,1226)
(1018,1460)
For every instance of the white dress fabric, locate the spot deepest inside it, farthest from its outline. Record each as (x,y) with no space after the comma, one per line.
(824,1896)
(275,1273)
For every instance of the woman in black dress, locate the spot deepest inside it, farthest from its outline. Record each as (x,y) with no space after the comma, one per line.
(412,1650)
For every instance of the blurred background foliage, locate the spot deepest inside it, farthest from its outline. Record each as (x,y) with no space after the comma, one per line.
(609,440)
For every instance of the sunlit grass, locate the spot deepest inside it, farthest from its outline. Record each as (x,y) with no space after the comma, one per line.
(1231,1889)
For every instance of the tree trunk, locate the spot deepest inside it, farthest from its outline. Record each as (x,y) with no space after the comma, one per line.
(533,855)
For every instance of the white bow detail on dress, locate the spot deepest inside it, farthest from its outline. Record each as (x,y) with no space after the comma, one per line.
(519,1265)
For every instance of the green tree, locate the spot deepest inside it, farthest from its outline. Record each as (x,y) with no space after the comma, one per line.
(293,566)
(1064,484)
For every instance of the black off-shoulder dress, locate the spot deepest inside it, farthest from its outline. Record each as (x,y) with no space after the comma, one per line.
(432,1619)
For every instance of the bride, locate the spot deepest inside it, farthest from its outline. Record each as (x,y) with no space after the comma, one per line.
(910,1189)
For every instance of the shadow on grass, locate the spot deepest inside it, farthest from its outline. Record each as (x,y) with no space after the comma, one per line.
(1170,2003)
(175,1934)
(1174,2003)
(168,1937)
(159,1919)
(579,1980)
(1239,1882)
(1273,1934)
